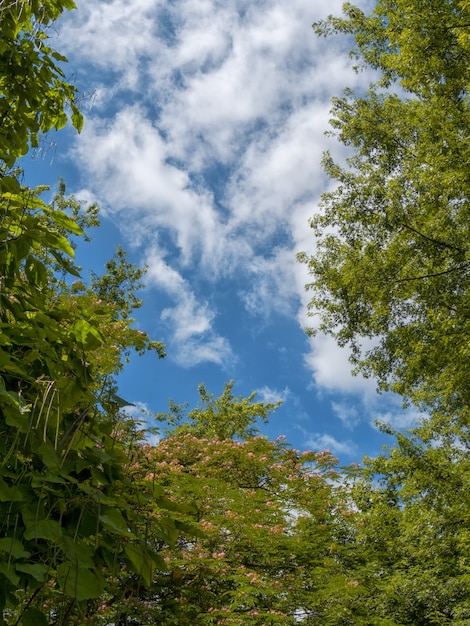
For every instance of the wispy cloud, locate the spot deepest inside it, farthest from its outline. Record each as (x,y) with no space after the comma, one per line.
(204,142)
(397,417)
(191,322)
(347,413)
(318,441)
(269,395)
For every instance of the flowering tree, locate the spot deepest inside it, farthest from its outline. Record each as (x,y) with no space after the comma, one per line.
(269,529)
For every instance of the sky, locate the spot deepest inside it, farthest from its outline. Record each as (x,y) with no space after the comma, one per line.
(204,132)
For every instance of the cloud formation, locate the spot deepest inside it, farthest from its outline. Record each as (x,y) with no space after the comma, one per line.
(317,441)
(204,142)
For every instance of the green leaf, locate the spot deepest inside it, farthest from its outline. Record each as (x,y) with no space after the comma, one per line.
(77,550)
(88,336)
(78,582)
(10,545)
(36,272)
(34,617)
(121,403)
(49,456)
(64,221)
(9,572)
(113,521)
(58,242)
(143,562)
(77,119)
(42,529)
(37,570)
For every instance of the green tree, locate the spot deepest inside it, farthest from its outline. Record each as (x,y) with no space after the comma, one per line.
(70,516)
(391,264)
(225,417)
(412,534)
(270,528)
(390,280)
(35,97)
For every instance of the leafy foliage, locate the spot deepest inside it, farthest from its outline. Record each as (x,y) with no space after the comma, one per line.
(413,536)
(68,508)
(390,280)
(391,264)
(34,94)
(70,516)
(225,417)
(268,527)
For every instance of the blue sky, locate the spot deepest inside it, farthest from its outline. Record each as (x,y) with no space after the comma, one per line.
(204,130)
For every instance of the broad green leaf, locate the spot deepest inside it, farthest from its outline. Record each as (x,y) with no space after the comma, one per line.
(58,242)
(36,272)
(112,520)
(15,493)
(79,582)
(10,545)
(88,336)
(64,221)
(36,570)
(77,550)
(121,403)
(49,456)
(34,617)
(77,119)
(8,570)
(42,529)
(142,561)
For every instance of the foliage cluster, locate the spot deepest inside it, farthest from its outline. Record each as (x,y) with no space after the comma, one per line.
(69,513)
(391,263)
(390,280)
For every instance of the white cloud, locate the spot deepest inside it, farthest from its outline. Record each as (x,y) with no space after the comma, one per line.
(269,287)
(347,413)
(189,318)
(205,95)
(268,395)
(332,370)
(193,339)
(114,35)
(396,416)
(318,442)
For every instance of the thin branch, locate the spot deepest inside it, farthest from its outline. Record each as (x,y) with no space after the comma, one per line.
(437,242)
(434,275)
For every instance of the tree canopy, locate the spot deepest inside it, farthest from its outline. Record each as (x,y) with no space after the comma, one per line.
(391,264)
(69,513)
(264,522)
(35,96)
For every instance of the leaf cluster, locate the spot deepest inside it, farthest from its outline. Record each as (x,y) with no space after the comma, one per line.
(390,274)
(35,96)
(72,520)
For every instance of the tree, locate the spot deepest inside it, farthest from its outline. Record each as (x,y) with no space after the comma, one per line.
(412,533)
(391,271)
(35,97)
(70,517)
(391,265)
(269,528)
(69,513)
(225,417)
